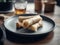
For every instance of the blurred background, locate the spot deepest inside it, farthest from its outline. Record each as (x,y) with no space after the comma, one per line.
(39,8)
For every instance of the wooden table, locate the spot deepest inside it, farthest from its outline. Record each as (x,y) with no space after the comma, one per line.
(53,38)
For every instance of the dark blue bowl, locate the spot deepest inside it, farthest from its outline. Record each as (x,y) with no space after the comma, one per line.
(5,6)
(58,2)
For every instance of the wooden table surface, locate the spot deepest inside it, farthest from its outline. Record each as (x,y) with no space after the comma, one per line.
(53,38)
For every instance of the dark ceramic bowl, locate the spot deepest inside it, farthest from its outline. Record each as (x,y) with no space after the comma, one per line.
(58,2)
(23,35)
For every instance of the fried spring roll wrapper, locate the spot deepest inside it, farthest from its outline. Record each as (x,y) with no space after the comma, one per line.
(28,22)
(5,17)
(21,18)
(18,24)
(35,27)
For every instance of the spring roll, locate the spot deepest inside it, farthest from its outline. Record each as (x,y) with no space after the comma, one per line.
(18,24)
(35,26)
(5,17)
(28,22)
(21,18)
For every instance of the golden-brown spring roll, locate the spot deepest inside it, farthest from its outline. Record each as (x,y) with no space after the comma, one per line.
(21,18)
(35,26)
(18,24)
(28,22)
(5,17)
